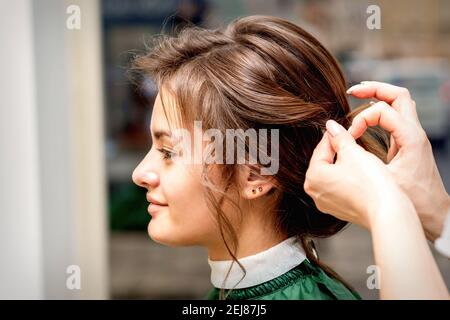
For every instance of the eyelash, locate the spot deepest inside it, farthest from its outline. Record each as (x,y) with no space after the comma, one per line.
(167,154)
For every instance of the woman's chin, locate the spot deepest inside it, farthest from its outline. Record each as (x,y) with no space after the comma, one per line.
(154,234)
(167,238)
(160,237)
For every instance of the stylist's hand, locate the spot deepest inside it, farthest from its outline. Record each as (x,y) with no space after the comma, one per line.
(357,186)
(411,160)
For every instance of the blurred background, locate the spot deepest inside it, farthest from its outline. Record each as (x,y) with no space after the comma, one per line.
(73,128)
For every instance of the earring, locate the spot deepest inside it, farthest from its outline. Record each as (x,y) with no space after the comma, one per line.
(260,189)
(254,191)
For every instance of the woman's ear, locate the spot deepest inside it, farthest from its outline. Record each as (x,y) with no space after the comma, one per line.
(254,185)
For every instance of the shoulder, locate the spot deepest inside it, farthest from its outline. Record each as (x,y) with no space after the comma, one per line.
(304,282)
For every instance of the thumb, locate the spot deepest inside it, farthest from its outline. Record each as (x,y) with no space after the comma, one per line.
(339,137)
(323,153)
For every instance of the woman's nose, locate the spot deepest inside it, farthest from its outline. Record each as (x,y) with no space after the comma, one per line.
(145,178)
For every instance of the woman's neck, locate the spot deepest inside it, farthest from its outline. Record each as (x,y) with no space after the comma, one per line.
(254,236)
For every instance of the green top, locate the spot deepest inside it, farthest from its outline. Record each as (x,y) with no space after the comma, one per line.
(304,282)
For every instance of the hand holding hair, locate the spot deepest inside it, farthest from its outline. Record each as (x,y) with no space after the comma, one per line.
(411,160)
(359,188)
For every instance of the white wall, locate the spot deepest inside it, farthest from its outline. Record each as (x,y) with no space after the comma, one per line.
(21,259)
(53,206)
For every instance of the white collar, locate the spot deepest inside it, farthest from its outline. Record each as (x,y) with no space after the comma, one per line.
(261,267)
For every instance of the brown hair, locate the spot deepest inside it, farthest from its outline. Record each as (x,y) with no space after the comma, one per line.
(261,72)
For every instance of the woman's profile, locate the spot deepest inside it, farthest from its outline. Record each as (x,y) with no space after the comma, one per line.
(257,73)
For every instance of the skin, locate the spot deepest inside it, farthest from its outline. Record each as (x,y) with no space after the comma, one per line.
(360,188)
(185,219)
(411,160)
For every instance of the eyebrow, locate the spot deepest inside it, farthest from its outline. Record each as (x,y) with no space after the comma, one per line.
(162,133)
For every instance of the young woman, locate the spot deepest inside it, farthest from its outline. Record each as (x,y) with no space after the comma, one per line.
(260,73)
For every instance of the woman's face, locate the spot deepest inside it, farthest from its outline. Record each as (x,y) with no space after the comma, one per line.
(183,217)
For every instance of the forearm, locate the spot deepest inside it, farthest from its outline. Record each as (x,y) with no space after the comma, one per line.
(407,267)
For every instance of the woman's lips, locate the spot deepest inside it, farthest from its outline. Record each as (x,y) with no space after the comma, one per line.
(153,208)
(155,205)
(154,201)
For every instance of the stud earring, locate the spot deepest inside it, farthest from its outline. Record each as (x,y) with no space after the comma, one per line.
(254,191)
(260,189)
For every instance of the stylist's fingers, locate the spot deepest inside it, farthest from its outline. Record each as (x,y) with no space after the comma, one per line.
(383,115)
(319,165)
(399,98)
(393,149)
(339,137)
(323,153)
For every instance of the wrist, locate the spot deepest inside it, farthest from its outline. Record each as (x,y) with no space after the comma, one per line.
(433,222)
(392,208)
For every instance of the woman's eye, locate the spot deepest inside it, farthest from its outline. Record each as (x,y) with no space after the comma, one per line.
(167,154)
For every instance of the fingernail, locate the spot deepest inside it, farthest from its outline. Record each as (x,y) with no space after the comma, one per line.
(333,127)
(350,90)
(350,130)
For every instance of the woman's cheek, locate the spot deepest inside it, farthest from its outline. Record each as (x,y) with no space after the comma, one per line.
(182,186)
